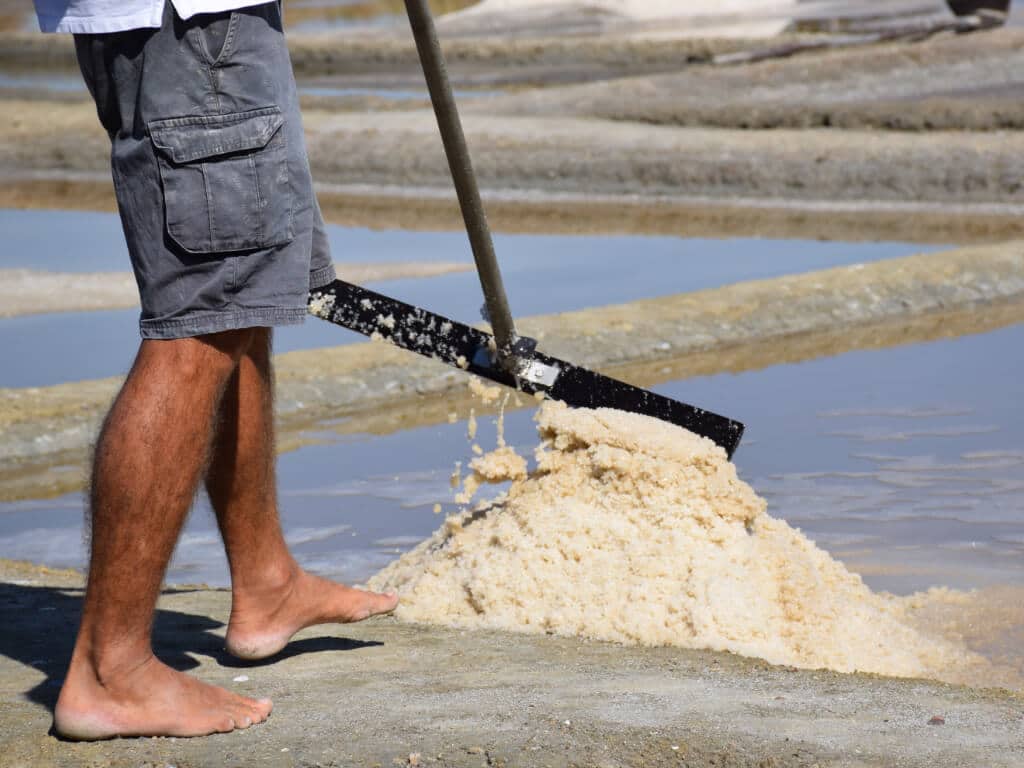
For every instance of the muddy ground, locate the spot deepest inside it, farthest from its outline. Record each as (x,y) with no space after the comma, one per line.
(380,693)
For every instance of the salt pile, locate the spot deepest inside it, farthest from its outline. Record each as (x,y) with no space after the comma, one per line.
(637,531)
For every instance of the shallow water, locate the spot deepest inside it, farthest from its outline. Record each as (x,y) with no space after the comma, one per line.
(906,463)
(543,274)
(57,82)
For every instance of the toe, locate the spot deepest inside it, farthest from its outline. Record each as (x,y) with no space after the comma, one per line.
(385,602)
(257,715)
(259,709)
(266,706)
(242,716)
(369,604)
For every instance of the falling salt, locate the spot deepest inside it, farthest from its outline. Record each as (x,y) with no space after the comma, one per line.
(500,423)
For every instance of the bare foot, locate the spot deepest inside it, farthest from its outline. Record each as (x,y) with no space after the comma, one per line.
(264,620)
(150,699)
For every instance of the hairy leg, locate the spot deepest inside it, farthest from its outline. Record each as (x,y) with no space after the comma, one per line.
(148,462)
(240,477)
(272,598)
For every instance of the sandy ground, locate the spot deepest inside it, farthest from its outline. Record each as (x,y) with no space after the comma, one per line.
(377,693)
(23,291)
(45,432)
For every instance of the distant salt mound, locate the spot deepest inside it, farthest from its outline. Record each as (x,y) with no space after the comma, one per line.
(642,9)
(723,18)
(636,531)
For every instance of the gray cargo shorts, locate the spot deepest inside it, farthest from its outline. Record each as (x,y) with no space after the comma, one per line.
(210,170)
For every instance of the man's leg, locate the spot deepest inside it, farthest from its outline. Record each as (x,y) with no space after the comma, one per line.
(272,598)
(149,460)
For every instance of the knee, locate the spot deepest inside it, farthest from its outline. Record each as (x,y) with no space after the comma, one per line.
(231,344)
(212,357)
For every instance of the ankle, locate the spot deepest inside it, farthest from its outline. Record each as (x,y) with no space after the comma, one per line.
(110,664)
(272,578)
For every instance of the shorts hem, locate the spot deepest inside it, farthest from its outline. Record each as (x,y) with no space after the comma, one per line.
(215,322)
(321,277)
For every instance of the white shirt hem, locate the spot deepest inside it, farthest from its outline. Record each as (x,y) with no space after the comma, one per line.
(149,16)
(94,25)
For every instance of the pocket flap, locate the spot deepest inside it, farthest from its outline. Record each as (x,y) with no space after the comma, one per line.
(184,139)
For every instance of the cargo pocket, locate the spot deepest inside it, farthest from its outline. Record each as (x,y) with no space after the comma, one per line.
(225,180)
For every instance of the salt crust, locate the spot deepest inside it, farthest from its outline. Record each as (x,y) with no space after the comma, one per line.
(637,531)
(322,305)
